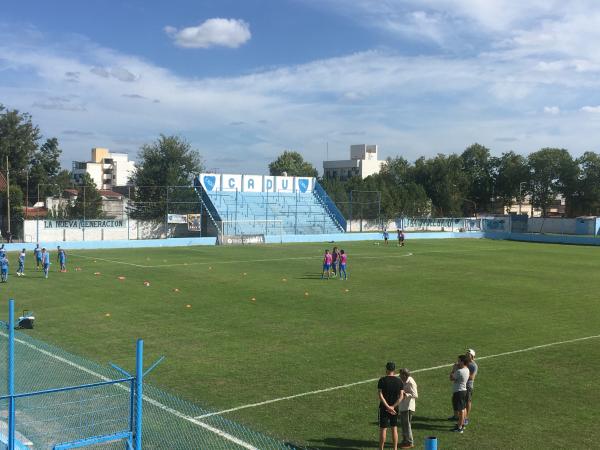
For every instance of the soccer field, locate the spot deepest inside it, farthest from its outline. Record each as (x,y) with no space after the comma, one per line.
(242,328)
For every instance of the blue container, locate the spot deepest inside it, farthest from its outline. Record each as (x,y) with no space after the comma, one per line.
(431,443)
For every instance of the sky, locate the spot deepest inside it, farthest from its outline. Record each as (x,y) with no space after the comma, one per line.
(244,80)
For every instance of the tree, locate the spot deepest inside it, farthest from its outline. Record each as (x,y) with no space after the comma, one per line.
(478,170)
(18,141)
(553,171)
(445,184)
(586,199)
(44,169)
(88,204)
(169,161)
(293,164)
(511,178)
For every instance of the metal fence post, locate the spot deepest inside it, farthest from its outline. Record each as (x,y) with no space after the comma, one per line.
(139,379)
(11,374)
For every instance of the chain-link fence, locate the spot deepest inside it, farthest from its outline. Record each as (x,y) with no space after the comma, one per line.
(168,421)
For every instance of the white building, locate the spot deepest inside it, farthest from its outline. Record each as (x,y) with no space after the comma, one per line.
(106,169)
(362,163)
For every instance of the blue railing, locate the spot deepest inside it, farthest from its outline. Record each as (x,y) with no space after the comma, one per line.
(330,206)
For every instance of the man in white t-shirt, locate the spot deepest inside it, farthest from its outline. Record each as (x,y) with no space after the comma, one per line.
(407,408)
(459,377)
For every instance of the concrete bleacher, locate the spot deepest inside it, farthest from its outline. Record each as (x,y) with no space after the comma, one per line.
(271,213)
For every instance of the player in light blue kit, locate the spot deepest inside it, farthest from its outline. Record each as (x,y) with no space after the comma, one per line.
(21,270)
(37,252)
(45,262)
(62,259)
(2,251)
(4,268)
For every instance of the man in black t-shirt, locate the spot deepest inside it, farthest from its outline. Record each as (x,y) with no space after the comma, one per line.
(390,393)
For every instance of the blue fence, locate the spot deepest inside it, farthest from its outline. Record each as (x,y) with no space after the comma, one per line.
(42,414)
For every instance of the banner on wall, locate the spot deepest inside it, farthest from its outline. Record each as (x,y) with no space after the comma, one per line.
(80,223)
(177,218)
(212,182)
(193,221)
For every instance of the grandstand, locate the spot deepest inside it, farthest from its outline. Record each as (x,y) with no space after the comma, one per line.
(242,205)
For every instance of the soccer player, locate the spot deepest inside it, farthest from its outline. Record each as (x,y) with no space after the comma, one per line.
(2,251)
(4,268)
(400,238)
(343,261)
(62,259)
(45,262)
(335,256)
(21,269)
(37,252)
(327,258)
(386,236)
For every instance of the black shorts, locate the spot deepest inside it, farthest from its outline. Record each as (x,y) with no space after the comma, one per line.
(387,420)
(469,394)
(459,400)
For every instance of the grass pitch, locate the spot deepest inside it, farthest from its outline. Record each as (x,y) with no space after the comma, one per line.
(244,325)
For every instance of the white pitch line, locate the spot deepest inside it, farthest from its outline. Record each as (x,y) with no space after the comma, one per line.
(371,380)
(153,402)
(206,263)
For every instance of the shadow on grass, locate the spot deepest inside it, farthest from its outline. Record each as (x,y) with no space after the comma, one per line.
(310,276)
(344,444)
(428,423)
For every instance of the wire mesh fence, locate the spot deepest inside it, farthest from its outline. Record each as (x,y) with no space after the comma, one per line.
(168,421)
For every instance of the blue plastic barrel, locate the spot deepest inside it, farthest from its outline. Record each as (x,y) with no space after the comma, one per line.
(431,443)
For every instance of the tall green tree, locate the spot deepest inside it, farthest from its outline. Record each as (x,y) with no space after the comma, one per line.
(44,170)
(169,161)
(552,171)
(293,164)
(511,178)
(477,168)
(586,198)
(88,204)
(445,183)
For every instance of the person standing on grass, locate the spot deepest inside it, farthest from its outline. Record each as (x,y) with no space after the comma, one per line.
(21,269)
(343,261)
(45,262)
(400,238)
(459,377)
(407,407)
(62,259)
(327,258)
(37,252)
(4,268)
(386,236)
(335,256)
(472,366)
(390,394)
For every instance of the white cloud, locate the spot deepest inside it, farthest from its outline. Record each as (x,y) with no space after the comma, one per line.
(215,32)
(591,109)
(409,105)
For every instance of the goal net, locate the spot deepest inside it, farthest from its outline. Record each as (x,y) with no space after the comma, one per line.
(243,232)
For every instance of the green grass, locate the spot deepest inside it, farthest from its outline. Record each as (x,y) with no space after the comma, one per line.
(420,311)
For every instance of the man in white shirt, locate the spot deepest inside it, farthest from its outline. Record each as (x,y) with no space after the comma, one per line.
(459,377)
(407,407)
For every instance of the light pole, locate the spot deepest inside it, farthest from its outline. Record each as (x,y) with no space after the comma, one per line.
(520,195)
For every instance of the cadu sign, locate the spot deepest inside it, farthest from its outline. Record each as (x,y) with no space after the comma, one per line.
(213,182)
(80,223)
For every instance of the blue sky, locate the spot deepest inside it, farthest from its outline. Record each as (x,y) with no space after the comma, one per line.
(244,80)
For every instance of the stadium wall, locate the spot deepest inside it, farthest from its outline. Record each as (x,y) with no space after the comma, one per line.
(127,243)
(69,230)
(347,237)
(543,238)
